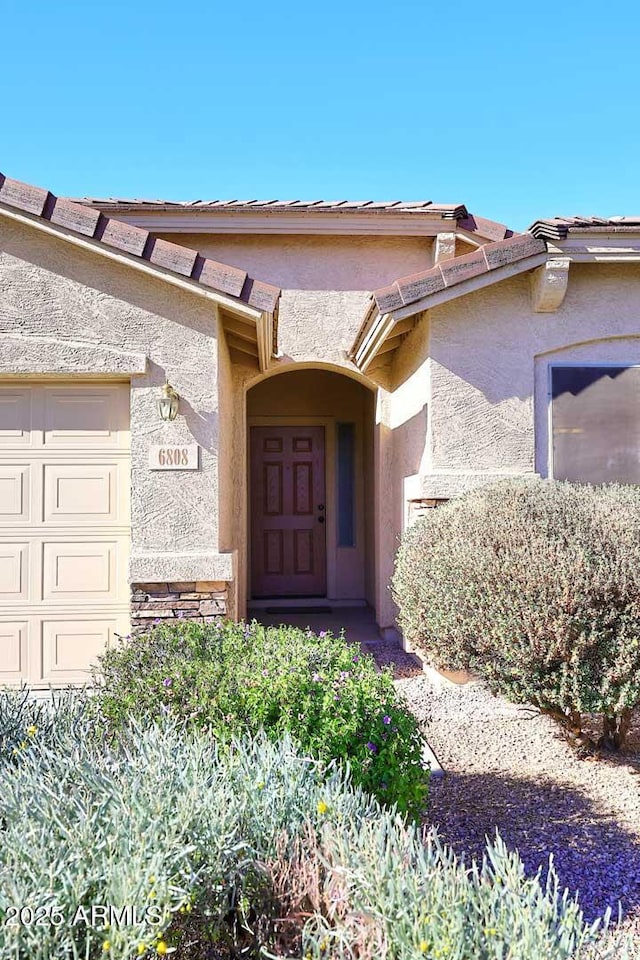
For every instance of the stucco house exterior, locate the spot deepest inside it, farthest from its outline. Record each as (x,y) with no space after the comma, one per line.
(339,367)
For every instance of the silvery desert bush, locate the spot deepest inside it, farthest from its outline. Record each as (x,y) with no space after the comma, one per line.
(256,847)
(157,820)
(534,585)
(390,892)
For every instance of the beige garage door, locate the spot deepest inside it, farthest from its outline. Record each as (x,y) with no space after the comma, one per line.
(64,527)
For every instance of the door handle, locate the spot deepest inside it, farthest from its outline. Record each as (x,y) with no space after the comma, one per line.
(321,506)
(320,519)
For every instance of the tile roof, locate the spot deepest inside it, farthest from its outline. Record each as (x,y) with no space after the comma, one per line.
(93,224)
(557,228)
(490,256)
(489,229)
(447,211)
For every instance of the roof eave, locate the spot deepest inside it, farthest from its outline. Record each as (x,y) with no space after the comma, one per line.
(379,324)
(119,256)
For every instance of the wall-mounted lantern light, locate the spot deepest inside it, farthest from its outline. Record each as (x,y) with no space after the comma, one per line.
(168,403)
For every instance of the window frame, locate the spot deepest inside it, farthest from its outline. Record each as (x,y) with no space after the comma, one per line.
(551,366)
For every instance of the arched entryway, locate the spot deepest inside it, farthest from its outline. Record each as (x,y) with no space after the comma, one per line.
(310,483)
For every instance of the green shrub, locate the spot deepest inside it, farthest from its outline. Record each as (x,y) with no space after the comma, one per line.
(255,847)
(534,586)
(234,679)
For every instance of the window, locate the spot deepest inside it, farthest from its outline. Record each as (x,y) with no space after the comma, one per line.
(595,418)
(346,484)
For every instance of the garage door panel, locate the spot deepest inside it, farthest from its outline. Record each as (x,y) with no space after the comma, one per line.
(14,651)
(15,497)
(77,493)
(81,571)
(14,572)
(85,417)
(64,527)
(15,416)
(70,647)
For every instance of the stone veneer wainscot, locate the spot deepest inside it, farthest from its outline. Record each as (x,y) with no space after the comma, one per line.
(201,601)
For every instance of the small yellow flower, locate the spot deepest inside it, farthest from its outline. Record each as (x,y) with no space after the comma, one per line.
(32,730)
(141,949)
(323,945)
(490,931)
(260,786)
(23,744)
(161,948)
(152,880)
(106,946)
(424,946)
(322,807)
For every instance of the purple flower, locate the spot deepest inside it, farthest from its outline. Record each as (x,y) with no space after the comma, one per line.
(265,673)
(371,746)
(386,719)
(322,634)
(316,678)
(344,674)
(167,682)
(356,659)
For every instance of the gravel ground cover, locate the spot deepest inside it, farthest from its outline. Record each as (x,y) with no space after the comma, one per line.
(508,768)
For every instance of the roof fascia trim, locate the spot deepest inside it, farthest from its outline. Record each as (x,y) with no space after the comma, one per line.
(298,223)
(587,247)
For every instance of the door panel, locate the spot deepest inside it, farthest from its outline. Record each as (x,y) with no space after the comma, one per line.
(288,540)
(15,417)
(14,638)
(70,647)
(14,566)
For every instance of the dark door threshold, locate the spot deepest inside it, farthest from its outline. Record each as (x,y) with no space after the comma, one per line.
(299,610)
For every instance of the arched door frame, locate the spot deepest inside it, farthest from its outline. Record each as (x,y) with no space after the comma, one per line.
(242,451)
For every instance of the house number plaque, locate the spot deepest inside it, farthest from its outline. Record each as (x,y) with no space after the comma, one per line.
(174,456)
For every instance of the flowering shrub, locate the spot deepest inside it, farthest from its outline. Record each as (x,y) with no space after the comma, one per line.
(252,847)
(535,586)
(234,679)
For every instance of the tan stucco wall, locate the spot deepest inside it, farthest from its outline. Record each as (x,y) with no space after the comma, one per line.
(484,367)
(325,281)
(97,317)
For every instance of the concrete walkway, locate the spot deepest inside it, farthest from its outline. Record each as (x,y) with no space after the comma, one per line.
(359,623)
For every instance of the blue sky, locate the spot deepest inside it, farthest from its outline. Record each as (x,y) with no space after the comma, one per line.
(518,110)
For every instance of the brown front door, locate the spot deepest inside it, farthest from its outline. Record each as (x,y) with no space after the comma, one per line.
(288,515)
